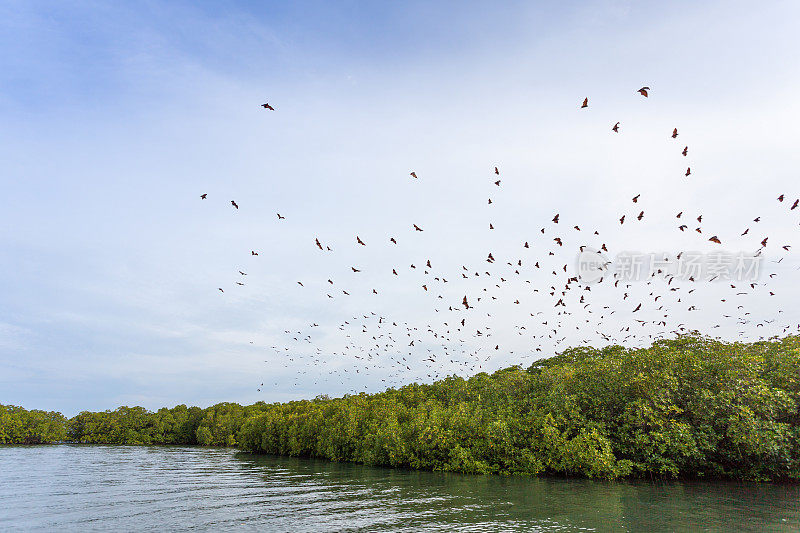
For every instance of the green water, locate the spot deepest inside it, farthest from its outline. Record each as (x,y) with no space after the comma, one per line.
(111,488)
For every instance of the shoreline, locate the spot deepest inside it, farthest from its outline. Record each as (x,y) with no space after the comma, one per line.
(686,408)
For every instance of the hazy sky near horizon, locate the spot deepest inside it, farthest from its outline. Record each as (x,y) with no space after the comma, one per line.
(116,117)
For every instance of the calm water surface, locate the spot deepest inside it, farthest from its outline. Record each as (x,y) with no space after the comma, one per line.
(90,488)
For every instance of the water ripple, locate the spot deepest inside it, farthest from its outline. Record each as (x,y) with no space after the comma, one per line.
(100,488)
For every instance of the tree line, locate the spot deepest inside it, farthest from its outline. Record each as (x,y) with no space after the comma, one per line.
(217,425)
(690,407)
(20,426)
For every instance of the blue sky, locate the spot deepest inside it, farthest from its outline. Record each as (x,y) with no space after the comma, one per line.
(116,117)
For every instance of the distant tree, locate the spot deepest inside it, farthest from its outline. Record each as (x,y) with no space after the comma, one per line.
(20,426)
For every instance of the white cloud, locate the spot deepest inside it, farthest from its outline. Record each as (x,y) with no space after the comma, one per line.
(116,260)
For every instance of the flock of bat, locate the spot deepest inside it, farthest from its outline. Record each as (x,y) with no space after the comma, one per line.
(530,290)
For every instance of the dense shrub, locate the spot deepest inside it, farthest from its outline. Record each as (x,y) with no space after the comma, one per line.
(19,426)
(687,407)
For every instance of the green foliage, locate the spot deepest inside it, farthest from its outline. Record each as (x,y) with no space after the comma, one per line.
(217,425)
(687,407)
(19,426)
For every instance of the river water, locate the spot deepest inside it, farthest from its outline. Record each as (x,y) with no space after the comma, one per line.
(164,488)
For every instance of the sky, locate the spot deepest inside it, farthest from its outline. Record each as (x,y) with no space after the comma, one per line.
(116,117)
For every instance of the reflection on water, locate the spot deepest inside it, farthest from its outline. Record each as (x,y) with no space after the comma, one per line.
(176,488)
